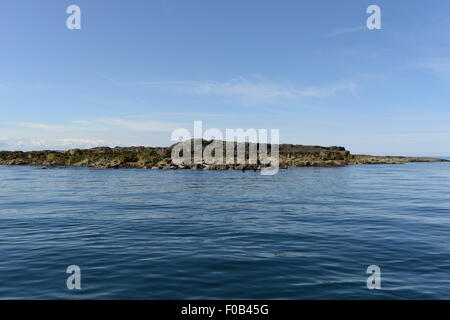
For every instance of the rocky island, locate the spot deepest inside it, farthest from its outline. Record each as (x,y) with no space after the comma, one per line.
(160,158)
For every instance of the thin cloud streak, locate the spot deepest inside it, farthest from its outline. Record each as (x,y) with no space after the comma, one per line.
(260,90)
(58,144)
(83,134)
(146,125)
(343,31)
(41,126)
(112,124)
(248,90)
(440,67)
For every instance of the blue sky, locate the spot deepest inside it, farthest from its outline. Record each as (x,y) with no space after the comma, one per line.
(139,69)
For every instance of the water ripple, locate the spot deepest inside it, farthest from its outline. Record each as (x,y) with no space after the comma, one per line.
(307,233)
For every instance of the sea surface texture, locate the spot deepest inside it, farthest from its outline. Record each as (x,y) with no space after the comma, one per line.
(306,233)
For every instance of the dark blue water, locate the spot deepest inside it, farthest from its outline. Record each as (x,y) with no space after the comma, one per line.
(306,233)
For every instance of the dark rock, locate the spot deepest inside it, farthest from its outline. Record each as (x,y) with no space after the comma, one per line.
(160,158)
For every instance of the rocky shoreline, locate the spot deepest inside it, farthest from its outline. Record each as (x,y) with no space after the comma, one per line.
(160,158)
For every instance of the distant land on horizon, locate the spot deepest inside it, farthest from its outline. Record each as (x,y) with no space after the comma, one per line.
(290,155)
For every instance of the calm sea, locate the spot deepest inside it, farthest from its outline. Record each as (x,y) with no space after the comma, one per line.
(307,233)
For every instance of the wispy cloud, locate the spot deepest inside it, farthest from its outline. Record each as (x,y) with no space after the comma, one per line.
(191,114)
(255,90)
(104,124)
(241,87)
(330,90)
(5,89)
(67,142)
(440,67)
(41,126)
(146,125)
(81,122)
(343,31)
(39,144)
(84,133)
(169,83)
